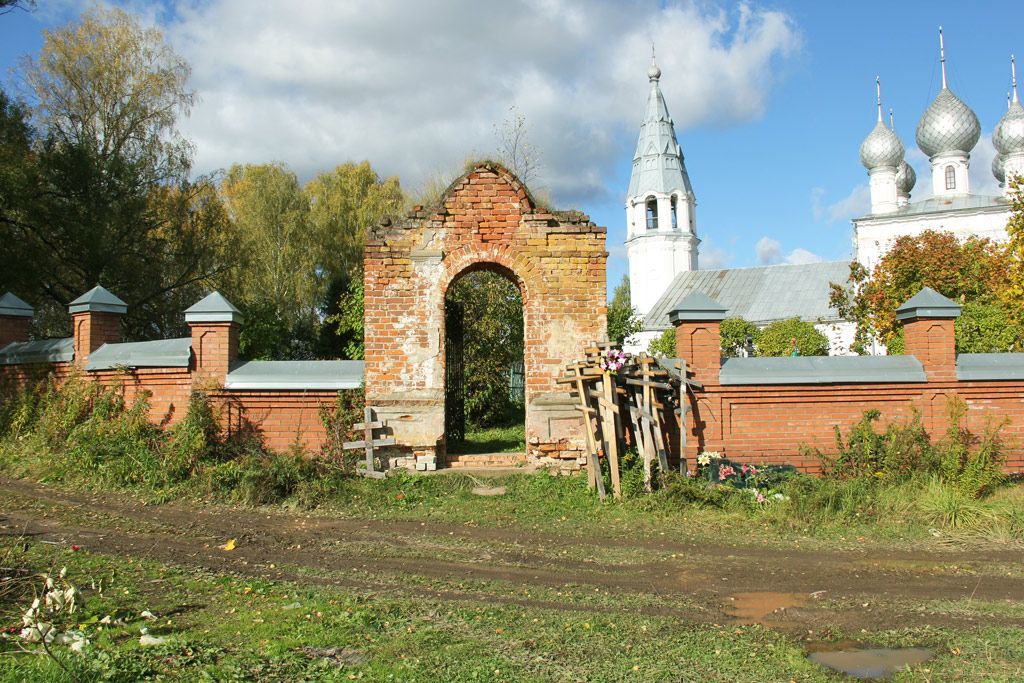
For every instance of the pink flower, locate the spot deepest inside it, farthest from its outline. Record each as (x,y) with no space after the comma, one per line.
(760,497)
(725,471)
(744,469)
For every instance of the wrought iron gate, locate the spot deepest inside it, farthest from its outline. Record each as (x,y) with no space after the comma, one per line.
(454,379)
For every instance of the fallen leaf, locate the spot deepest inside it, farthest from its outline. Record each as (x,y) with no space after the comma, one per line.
(230,545)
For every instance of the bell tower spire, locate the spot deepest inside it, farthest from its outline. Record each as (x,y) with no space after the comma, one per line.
(661,222)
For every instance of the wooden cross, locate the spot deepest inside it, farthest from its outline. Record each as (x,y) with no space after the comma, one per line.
(577,378)
(368,442)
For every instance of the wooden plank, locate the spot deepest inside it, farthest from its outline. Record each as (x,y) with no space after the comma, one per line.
(368,438)
(349,445)
(612,417)
(389,441)
(683,409)
(373,425)
(648,383)
(594,477)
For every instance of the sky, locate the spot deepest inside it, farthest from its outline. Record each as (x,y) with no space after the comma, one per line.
(771,100)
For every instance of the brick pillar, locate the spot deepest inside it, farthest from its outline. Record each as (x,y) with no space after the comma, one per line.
(214,322)
(15,316)
(698,321)
(95,321)
(928,333)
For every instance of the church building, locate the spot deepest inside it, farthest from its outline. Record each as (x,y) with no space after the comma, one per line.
(662,240)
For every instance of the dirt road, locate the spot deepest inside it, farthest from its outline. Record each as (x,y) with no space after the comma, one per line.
(790,589)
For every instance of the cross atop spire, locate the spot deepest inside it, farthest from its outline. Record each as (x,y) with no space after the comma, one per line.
(942,58)
(1013,76)
(878,90)
(653,73)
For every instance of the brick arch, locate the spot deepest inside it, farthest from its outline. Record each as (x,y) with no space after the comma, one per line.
(486,218)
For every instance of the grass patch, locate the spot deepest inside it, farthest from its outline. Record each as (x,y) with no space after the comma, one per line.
(491,440)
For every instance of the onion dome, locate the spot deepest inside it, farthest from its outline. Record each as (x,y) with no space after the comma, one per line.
(1008,137)
(948,125)
(999,168)
(905,178)
(882,147)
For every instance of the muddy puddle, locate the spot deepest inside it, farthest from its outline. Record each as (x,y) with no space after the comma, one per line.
(864,662)
(757,607)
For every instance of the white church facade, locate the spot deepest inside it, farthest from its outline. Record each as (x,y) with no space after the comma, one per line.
(661,227)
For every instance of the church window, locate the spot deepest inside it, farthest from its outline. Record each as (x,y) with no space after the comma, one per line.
(950,178)
(652,214)
(675,219)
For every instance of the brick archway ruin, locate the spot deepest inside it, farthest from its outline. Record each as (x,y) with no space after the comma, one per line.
(485,219)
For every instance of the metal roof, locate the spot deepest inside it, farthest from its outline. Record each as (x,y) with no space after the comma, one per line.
(658,161)
(41,351)
(927,304)
(822,370)
(697,306)
(11,305)
(162,353)
(760,295)
(980,366)
(296,374)
(965,202)
(213,308)
(97,300)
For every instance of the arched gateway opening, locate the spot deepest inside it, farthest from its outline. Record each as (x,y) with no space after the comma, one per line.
(486,222)
(485,398)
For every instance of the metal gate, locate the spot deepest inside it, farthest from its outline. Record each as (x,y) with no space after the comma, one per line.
(454,379)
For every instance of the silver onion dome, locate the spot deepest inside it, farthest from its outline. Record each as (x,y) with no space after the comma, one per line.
(905,178)
(948,125)
(881,147)
(1008,137)
(999,168)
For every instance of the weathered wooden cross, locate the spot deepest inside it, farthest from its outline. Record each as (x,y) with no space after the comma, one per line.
(368,442)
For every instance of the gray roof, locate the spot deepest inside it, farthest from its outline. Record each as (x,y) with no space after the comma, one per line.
(11,305)
(964,202)
(822,370)
(927,304)
(760,295)
(162,353)
(42,351)
(296,374)
(97,300)
(658,161)
(981,366)
(213,308)
(697,306)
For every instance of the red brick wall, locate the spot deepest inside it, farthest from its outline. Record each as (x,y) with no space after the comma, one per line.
(214,347)
(486,219)
(12,329)
(769,423)
(280,418)
(92,330)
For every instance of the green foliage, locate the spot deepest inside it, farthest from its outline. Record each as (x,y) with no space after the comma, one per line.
(664,345)
(734,333)
(1012,294)
(348,409)
(988,328)
(973,472)
(97,188)
(973,271)
(969,466)
(348,320)
(492,311)
(623,322)
(777,339)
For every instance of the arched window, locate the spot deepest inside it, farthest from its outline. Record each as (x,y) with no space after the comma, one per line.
(950,178)
(675,219)
(652,214)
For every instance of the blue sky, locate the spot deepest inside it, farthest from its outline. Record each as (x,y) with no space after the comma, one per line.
(771,99)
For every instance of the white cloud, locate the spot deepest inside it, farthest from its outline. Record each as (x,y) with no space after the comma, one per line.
(857,203)
(417,86)
(769,253)
(800,256)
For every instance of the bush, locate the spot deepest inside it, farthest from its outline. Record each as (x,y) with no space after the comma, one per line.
(664,345)
(734,333)
(903,450)
(777,339)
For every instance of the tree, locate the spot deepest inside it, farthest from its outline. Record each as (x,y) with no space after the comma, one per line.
(103,194)
(7,6)
(734,334)
(777,339)
(515,151)
(664,345)
(1012,295)
(623,322)
(276,282)
(492,310)
(975,270)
